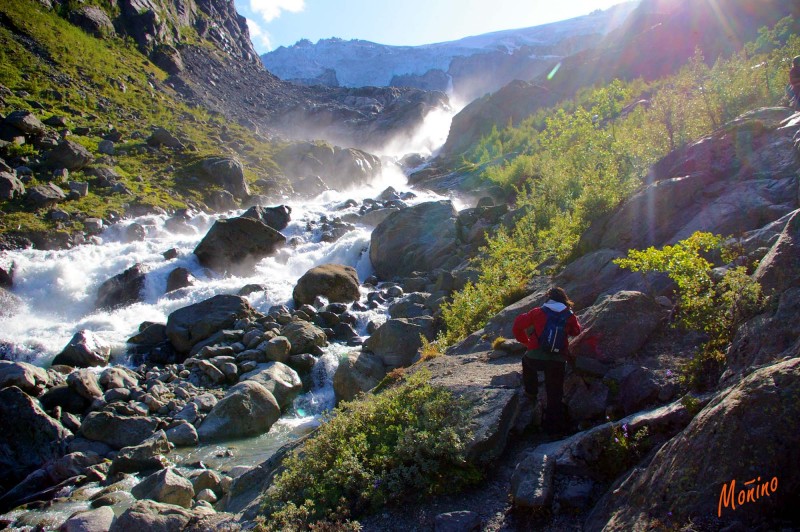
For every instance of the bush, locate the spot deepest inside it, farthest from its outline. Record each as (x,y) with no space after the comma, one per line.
(407,441)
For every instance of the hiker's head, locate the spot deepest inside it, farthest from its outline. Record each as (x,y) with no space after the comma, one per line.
(796,61)
(558,294)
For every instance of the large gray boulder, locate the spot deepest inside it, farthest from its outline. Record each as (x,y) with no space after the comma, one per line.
(166,486)
(69,155)
(419,238)
(97,520)
(44,196)
(29,437)
(84,350)
(760,414)
(162,137)
(276,217)
(336,282)
(147,456)
(122,289)
(248,409)
(617,326)
(340,167)
(279,379)
(189,325)
(10,187)
(304,337)
(397,341)
(118,431)
(227,173)
(359,371)
(27,377)
(237,244)
(26,122)
(153,517)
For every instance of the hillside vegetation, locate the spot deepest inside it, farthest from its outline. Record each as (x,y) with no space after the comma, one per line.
(572,165)
(107,88)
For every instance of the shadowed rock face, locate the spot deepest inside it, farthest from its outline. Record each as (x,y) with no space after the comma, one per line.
(237,244)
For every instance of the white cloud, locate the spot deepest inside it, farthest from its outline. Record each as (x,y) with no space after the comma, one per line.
(258,35)
(271,9)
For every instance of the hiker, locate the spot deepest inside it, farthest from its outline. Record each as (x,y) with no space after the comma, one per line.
(794,82)
(548,351)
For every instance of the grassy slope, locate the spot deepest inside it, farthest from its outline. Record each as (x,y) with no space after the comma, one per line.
(102,84)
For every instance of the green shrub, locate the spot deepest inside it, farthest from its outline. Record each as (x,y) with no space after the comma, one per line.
(407,441)
(622,450)
(706,304)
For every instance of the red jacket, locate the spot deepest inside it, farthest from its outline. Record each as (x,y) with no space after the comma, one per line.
(537,318)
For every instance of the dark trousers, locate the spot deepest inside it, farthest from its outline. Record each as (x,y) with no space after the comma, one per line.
(553,370)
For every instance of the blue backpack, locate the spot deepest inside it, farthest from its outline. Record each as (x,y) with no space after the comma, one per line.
(554,335)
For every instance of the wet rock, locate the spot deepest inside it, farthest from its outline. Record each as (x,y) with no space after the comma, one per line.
(302,363)
(276,217)
(335,282)
(358,372)
(98,520)
(93,226)
(279,379)
(29,378)
(84,350)
(116,430)
(29,437)
(69,155)
(249,289)
(135,233)
(44,196)
(179,278)
(166,486)
(419,238)
(304,337)
(397,341)
(248,409)
(10,187)
(190,325)
(146,456)
(123,289)
(237,244)
(341,167)
(277,349)
(183,434)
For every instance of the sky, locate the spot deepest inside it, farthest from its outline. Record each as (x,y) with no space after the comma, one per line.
(275,23)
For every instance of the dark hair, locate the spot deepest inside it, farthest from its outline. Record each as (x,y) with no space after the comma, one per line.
(796,61)
(558,294)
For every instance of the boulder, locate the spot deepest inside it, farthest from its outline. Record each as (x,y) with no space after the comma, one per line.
(780,268)
(29,378)
(276,217)
(97,520)
(359,371)
(397,341)
(706,462)
(190,325)
(153,517)
(617,326)
(586,398)
(26,122)
(228,173)
(84,383)
(119,377)
(146,456)
(69,155)
(532,482)
(92,20)
(84,350)
(122,289)
(277,349)
(183,434)
(237,244)
(335,282)
(162,137)
(179,278)
(248,409)
(66,398)
(341,167)
(118,431)
(279,379)
(166,486)
(29,437)
(44,196)
(10,187)
(419,238)
(304,337)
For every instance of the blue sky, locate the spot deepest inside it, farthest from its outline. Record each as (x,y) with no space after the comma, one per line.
(275,23)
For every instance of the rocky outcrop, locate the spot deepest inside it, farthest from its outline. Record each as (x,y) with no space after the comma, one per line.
(248,409)
(335,282)
(339,168)
(237,244)
(396,343)
(227,173)
(10,187)
(707,456)
(189,325)
(123,289)
(279,379)
(118,431)
(419,238)
(92,20)
(150,515)
(69,155)
(276,217)
(44,196)
(84,350)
